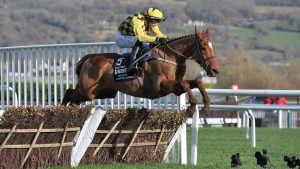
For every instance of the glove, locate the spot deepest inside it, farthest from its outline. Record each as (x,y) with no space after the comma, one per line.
(161,40)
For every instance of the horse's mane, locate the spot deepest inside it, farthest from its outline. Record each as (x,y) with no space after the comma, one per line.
(175,39)
(180,37)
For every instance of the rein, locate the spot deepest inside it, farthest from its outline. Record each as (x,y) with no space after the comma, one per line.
(198,46)
(174,51)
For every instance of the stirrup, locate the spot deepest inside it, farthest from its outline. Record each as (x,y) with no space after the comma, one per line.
(130,71)
(133,69)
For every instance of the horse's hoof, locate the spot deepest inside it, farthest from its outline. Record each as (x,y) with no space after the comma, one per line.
(67,96)
(204,112)
(190,111)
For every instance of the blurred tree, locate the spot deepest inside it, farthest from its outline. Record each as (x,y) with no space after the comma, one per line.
(238,69)
(293,76)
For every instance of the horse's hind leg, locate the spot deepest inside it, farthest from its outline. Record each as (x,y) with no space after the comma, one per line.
(67,96)
(73,96)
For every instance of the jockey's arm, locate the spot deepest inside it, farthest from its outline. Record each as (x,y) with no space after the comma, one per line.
(157,33)
(139,31)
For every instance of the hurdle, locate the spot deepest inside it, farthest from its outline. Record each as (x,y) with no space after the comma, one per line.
(91,139)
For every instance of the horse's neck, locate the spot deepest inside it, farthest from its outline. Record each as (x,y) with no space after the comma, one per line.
(182,45)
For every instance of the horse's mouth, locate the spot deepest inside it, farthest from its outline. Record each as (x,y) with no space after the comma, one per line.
(212,73)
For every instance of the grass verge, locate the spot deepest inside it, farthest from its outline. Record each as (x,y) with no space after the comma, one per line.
(216,145)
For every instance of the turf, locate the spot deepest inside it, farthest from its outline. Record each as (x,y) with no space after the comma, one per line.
(216,145)
(283,40)
(246,35)
(278,39)
(277,9)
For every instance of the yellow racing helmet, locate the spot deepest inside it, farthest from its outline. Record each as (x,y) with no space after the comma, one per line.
(154,13)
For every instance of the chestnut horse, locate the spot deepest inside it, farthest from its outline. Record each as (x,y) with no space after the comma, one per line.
(161,76)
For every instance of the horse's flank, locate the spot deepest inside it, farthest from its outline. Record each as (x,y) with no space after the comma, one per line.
(95,59)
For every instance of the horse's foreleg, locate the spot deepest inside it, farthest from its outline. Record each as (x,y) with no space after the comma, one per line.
(192,99)
(179,87)
(206,99)
(186,87)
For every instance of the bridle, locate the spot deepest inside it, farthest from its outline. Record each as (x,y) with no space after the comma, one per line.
(199,48)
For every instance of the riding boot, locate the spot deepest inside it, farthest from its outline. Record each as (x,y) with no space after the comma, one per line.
(133,54)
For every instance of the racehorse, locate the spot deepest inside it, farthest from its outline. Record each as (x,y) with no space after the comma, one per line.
(162,75)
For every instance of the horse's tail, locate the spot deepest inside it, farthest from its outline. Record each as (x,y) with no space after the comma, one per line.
(80,63)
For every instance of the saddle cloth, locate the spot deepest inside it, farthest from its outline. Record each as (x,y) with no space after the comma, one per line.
(122,63)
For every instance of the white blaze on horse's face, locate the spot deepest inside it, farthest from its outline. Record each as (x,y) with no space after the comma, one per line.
(211,47)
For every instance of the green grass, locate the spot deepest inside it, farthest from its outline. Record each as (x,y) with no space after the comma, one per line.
(277,9)
(135,166)
(247,35)
(278,39)
(260,53)
(282,40)
(269,24)
(278,142)
(216,145)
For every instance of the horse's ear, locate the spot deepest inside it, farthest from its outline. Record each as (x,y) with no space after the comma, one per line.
(207,32)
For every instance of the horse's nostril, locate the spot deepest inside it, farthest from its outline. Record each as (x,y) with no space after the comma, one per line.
(215,71)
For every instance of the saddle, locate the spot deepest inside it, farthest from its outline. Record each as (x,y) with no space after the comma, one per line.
(122,63)
(142,57)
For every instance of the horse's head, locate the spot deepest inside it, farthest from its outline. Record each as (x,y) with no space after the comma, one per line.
(205,53)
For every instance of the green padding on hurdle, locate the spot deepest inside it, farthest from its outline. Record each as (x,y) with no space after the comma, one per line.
(217,125)
(213,125)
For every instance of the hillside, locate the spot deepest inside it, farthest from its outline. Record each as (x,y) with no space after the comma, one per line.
(268,31)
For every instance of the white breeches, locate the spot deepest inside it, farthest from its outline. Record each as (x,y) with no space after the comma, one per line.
(124,41)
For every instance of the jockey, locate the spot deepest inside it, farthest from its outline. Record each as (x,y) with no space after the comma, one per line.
(133,32)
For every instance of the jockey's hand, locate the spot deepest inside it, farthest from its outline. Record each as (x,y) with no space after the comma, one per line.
(162,40)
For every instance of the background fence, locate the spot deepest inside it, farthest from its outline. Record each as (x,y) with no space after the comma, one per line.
(40,74)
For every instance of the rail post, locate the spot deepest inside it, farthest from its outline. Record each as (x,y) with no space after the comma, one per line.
(194,147)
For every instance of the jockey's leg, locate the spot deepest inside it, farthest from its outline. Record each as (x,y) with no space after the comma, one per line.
(147,45)
(134,51)
(133,54)
(124,41)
